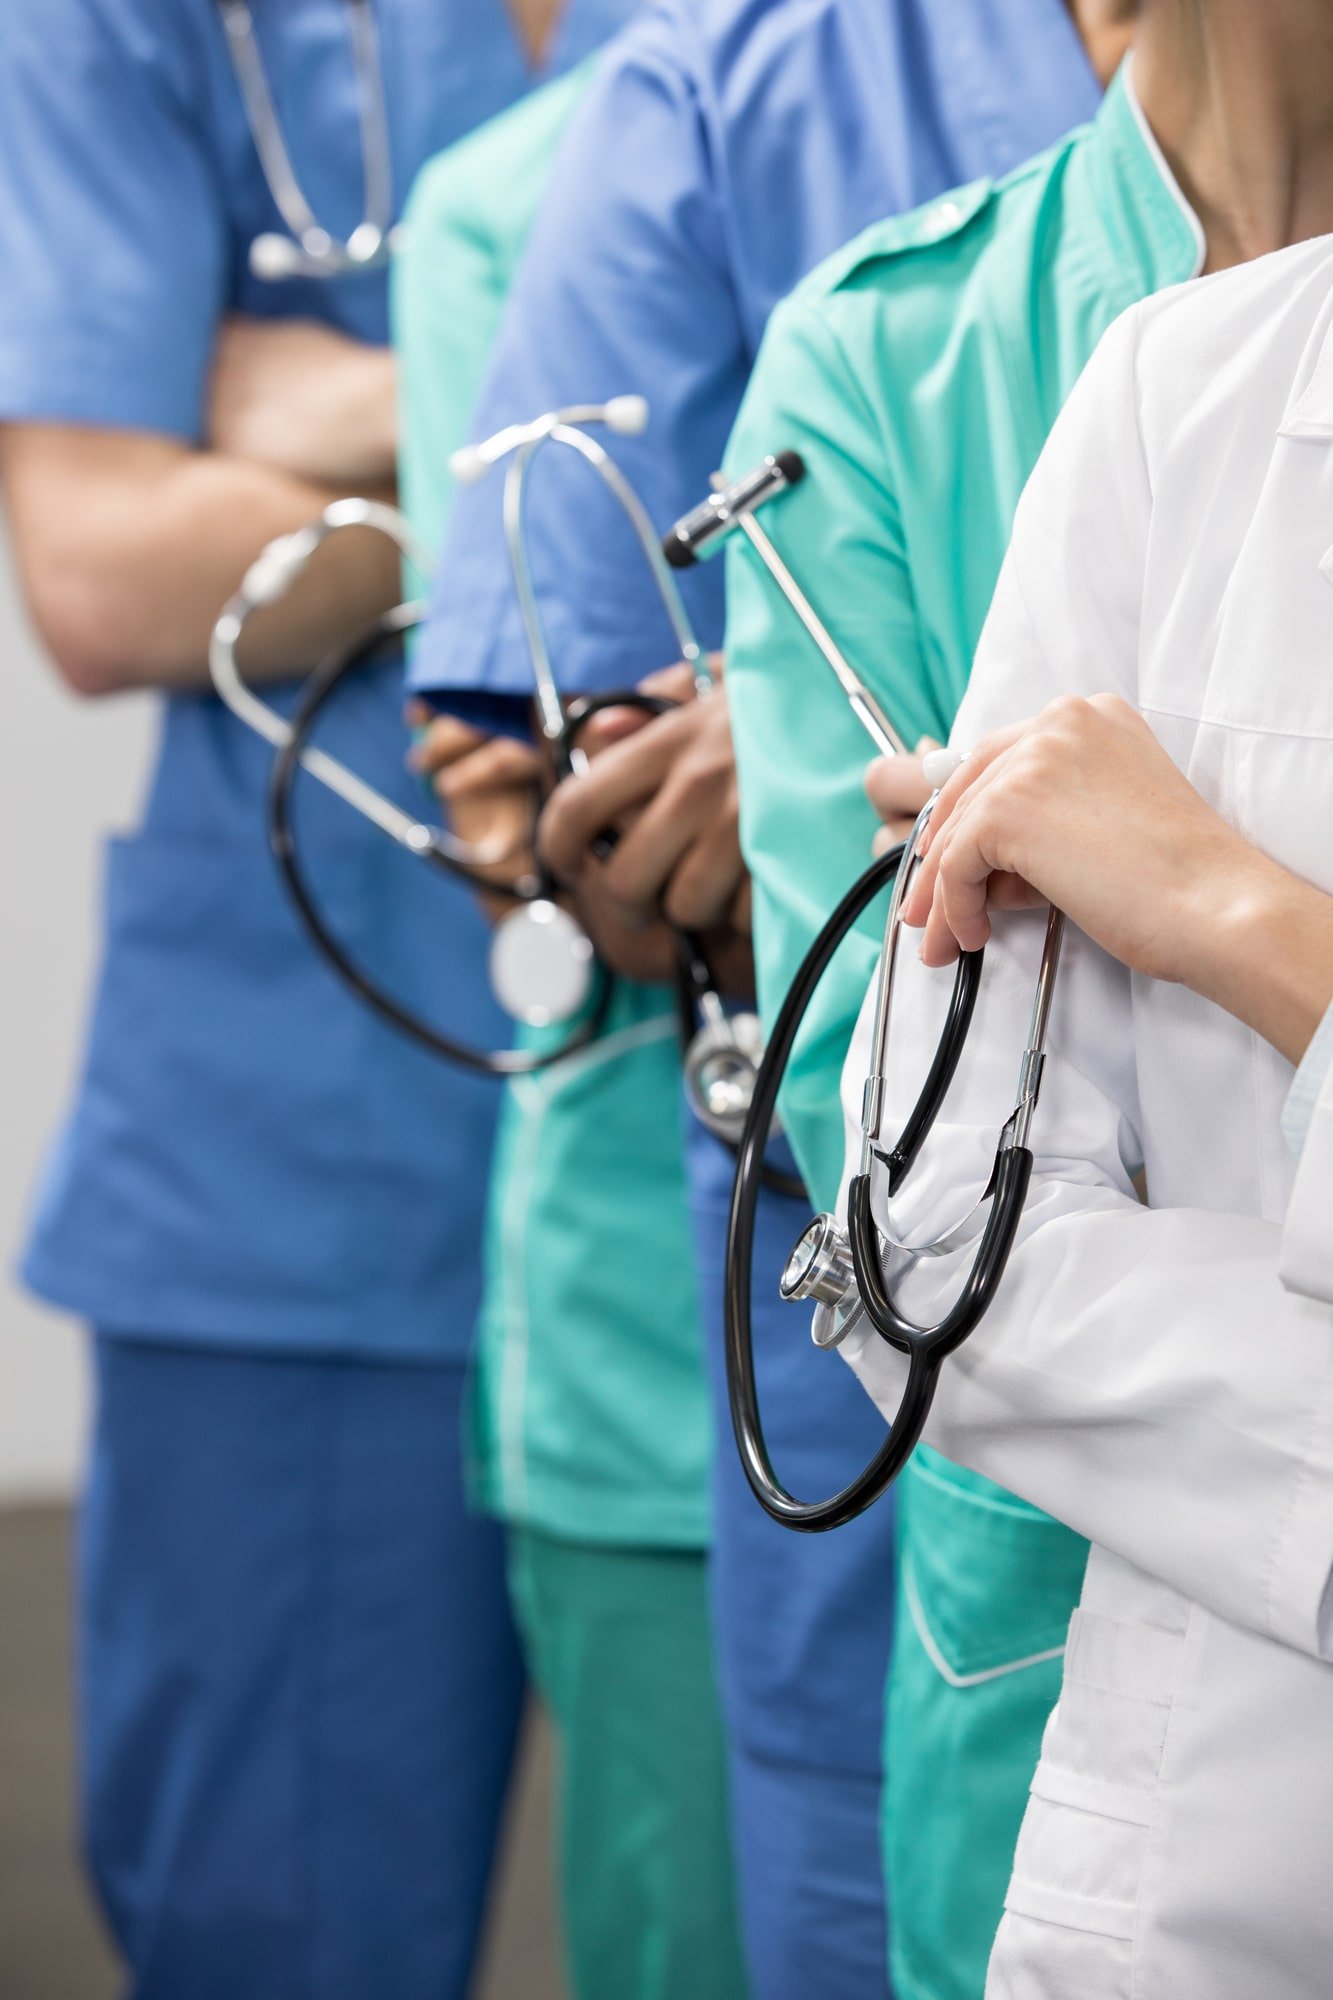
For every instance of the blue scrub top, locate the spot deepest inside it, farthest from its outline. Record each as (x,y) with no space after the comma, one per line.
(252,1159)
(766,133)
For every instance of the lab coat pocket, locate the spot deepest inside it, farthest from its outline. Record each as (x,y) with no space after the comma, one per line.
(1079,1864)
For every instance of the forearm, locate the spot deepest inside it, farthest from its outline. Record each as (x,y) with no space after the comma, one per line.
(1262,948)
(128,559)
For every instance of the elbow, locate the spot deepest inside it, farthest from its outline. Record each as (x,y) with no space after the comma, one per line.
(84,625)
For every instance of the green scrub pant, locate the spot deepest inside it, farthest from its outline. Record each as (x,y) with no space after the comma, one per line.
(619,1647)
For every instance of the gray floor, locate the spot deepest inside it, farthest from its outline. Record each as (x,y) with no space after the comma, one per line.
(51,1947)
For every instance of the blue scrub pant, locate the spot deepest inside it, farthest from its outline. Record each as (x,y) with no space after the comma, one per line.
(803,1627)
(300,1686)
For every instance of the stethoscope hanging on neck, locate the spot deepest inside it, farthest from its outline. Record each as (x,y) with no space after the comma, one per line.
(309,250)
(560,981)
(722,1050)
(844,1266)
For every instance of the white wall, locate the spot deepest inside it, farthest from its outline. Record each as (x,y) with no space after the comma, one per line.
(69,773)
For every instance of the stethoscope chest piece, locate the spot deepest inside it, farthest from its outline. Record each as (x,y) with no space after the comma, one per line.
(721,1064)
(542,964)
(820,1268)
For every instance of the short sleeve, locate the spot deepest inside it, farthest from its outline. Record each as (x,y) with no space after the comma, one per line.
(624,288)
(806,825)
(112,228)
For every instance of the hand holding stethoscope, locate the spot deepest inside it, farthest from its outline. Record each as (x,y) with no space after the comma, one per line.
(850,1266)
(543,964)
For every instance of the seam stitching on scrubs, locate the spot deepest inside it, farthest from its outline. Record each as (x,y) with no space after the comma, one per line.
(912,1599)
(637,1035)
(516,1317)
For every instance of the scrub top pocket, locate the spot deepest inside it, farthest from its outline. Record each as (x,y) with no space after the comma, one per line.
(220,1176)
(986,1589)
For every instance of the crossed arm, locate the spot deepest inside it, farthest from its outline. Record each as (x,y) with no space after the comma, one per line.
(128,544)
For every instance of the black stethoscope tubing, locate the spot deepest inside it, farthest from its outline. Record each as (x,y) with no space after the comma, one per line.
(926,1347)
(320,688)
(315,696)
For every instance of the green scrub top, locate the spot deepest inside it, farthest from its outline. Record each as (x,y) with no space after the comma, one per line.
(590,1411)
(918,374)
(464,227)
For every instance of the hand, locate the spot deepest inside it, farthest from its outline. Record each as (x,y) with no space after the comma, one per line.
(1084,809)
(305,400)
(486,785)
(669,788)
(897,789)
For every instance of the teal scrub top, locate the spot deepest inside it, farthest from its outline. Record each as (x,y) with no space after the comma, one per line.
(724,147)
(918,374)
(253,1160)
(566,1437)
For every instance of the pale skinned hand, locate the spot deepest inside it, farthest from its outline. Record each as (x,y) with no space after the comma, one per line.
(897,789)
(306,400)
(1082,808)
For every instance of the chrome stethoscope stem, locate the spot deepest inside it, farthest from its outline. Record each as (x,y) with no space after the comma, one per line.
(520,443)
(1034,1055)
(864,705)
(311,250)
(269,578)
(872,1099)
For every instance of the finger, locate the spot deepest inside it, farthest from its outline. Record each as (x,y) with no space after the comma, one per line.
(892,834)
(958,917)
(442,741)
(608,726)
(896,787)
(975,780)
(970,773)
(646,856)
(581,807)
(704,887)
(673,683)
(500,765)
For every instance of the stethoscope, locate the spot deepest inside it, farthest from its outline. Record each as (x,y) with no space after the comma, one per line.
(543,966)
(722,1050)
(850,1268)
(309,250)
(544,972)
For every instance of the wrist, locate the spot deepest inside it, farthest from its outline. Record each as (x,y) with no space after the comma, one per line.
(368,420)
(1265,953)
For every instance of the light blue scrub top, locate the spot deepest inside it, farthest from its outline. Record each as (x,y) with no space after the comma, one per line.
(252,1158)
(766,133)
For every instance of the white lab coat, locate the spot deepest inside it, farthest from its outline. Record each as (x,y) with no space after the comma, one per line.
(1161,1378)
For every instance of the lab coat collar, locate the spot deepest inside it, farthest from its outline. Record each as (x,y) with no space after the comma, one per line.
(1156,239)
